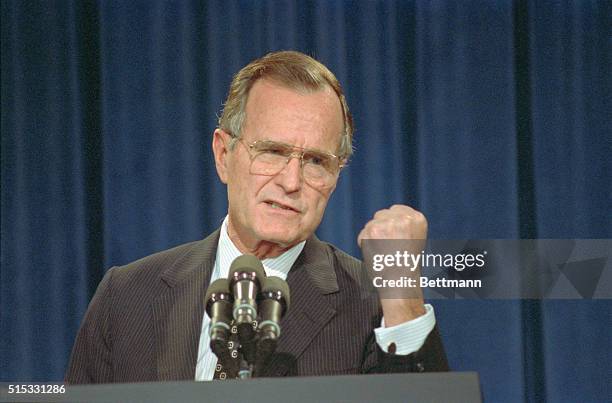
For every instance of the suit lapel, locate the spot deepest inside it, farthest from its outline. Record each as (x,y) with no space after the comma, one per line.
(178,310)
(311,277)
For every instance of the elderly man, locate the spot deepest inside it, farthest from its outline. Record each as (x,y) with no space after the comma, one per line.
(283,138)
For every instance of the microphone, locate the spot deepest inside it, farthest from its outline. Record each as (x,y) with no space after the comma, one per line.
(219,308)
(273,304)
(245,278)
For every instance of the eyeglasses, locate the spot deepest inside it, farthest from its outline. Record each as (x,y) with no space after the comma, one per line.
(320,169)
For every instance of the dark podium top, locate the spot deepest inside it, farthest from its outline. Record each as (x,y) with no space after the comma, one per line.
(427,387)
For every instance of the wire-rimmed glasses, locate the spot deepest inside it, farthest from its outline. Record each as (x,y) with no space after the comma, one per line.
(320,168)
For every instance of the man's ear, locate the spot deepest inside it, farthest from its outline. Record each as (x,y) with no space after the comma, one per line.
(220,146)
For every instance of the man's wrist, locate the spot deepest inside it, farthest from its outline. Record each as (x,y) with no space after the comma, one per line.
(398,311)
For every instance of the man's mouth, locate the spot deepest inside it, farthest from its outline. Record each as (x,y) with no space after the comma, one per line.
(280,206)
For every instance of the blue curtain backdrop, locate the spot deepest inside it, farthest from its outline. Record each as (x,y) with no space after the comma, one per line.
(491,117)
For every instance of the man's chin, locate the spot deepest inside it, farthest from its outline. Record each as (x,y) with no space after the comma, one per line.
(281,238)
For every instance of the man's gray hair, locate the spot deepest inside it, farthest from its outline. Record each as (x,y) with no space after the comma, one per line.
(294,70)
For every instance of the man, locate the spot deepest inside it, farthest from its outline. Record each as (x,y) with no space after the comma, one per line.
(283,138)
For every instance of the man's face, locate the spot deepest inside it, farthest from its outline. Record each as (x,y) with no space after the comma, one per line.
(282,209)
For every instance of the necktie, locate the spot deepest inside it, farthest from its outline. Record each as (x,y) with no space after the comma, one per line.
(232,360)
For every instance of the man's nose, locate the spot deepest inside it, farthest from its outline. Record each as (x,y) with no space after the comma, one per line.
(290,178)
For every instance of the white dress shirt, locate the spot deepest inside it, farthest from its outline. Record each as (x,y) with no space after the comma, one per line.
(408,337)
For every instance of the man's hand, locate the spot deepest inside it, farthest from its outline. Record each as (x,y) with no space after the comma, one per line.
(399,222)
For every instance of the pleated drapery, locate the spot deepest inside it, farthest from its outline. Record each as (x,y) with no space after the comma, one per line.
(491,117)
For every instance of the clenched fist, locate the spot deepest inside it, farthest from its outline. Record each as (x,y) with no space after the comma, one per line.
(398,222)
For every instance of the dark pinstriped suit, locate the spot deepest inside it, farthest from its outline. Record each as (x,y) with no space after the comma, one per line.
(145,319)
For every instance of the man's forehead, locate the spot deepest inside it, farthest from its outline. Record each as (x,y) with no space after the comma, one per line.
(274,103)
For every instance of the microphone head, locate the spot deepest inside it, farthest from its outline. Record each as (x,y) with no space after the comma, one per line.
(219,290)
(276,288)
(247,266)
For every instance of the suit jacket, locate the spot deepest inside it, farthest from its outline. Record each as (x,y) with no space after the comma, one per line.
(144,322)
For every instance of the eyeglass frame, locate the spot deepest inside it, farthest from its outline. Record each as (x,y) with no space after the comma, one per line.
(298,152)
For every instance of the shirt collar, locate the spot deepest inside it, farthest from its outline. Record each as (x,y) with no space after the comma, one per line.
(277,266)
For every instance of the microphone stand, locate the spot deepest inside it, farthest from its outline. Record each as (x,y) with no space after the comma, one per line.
(246,369)
(248,351)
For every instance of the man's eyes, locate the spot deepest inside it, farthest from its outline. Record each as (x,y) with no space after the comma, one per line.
(280,150)
(316,159)
(276,150)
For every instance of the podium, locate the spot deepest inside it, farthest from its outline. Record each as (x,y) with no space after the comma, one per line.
(426,387)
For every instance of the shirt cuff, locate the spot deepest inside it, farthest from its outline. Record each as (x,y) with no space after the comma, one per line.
(408,337)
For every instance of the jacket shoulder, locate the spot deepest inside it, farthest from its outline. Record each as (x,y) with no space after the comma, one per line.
(172,264)
(342,259)
(156,261)
(349,265)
